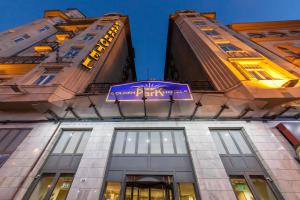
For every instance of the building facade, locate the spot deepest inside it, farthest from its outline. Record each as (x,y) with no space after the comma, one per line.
(279,37)
(74,126)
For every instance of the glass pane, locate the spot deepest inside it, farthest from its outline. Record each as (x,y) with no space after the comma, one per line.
(241,189)
(186,191)
(144,194)
(66,135)
(83,142)
(218,143)
(262,188)
(62,187)
(167,142)
(180,142)
(232,149)
(155,147)
(112,191)
(42,187)
(143,143)
(130,143)
(8,140)
(158,194)
(128,193)
(237,136)
(119,142)
(17,141)
(73,142)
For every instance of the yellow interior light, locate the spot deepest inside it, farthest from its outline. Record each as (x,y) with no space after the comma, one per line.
(43,48)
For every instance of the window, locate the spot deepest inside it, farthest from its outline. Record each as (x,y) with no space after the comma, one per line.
(10,139)
(52,186)
(258,184)
(71,142)
(88,37)
(150,142)
(56,175)
(112,191)
(99,27)
(247,175)
(277,34)
(255,71)
(228,47)
(23,37)
(211,32)
(72,52)
(241,189)
(44,79)
(256,35)
(199,23)
(230,142)
(44,29)
(186,191)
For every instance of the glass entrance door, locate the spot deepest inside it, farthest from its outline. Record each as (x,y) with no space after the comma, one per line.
(149,189)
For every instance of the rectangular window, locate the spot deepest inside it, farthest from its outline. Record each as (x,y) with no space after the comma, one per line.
(10,139)
(52,185)
(72,52)
(199,23)
(228,47)
(19,39)
(71,142)
(44,79)
(44,29)
(186,191)
(88,37)
(150,142)
(130,143)
(230,142)
(241,188)
(211,32)
(262,188)
(99,27)
(112,191)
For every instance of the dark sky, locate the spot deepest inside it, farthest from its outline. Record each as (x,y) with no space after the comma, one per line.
(149,19)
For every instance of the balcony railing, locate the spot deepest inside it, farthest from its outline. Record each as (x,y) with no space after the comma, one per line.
(22,59)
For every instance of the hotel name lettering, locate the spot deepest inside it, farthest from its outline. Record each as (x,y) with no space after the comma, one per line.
(100,47)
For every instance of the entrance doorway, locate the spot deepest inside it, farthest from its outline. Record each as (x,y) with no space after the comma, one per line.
(149,187)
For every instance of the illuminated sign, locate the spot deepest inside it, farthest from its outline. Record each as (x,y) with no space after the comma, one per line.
(100,47)
(153,91)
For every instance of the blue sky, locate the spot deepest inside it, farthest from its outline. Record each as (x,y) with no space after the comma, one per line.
(149,19)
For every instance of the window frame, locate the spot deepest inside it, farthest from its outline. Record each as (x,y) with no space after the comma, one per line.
(263,173)
(149,130)
(78,49)
(56,177)
(48,78)
(227,49)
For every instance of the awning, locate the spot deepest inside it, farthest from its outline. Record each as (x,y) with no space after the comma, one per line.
(290,130)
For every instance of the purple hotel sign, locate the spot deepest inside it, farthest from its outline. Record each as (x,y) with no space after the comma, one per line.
(153,90)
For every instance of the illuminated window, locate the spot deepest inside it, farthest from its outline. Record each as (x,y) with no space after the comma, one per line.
(241,188)
(72,52)
(211,32)
(228,47)
(51,184)
(44,79)
(112,191)
(255,71)
(262,188)
(88,37)
(186,191)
